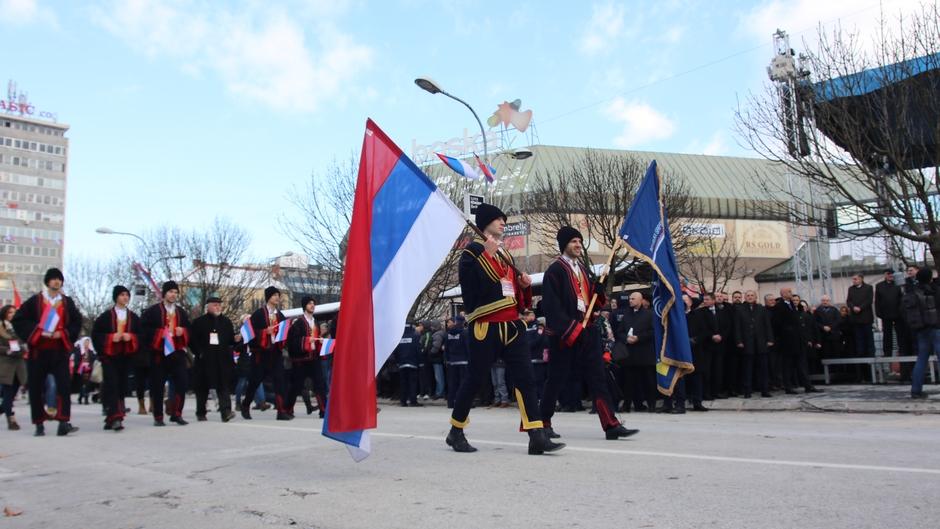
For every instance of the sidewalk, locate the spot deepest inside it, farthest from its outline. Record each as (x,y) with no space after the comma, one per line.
(867,398)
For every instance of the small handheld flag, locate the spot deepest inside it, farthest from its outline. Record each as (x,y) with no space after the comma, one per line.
(460,167)
(326,348)
(168,346)
(50,320)
(281,334)
(247,331)
(488,170)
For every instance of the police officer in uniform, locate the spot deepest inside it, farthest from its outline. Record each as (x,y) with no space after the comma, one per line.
(494,294)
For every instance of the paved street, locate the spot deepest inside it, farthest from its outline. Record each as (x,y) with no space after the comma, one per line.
(718,469)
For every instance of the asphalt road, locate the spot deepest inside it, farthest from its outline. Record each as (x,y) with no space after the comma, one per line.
(717,469)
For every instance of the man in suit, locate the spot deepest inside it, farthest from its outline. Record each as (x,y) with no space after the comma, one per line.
(753,335)
(859,300)
(827,319)
(635,332)
(716,327)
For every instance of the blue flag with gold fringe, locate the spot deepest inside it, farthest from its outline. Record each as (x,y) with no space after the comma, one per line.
(645,233)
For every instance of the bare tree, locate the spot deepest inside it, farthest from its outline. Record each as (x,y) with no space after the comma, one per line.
(597,188)
(881,163)
(90,282)
(714,262)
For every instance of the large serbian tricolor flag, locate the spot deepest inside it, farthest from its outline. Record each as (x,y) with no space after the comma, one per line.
(402,228)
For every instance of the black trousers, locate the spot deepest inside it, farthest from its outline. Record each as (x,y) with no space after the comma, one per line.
(754,368)
(562,361)
(212,370)
(39,365)
(716,372)
(795,369)
(408,390)
(267,364)
(174,369)
(141,380)
(486,342)
(114,371)
(640,386)
(455,376)
(732,360)
(299,373)
(540,372)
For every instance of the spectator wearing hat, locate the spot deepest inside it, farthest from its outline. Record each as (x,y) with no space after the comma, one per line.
(494,293)
(49,321)
(165,335)
(566,295)
(303,347)
(115,337)
(267,357)
(213,343)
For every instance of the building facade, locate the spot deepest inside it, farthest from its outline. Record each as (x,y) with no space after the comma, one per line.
(33,175)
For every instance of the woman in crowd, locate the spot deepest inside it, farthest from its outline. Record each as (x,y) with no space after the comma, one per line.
(12,364)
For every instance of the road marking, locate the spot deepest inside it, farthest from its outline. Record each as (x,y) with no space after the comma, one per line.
(639,453)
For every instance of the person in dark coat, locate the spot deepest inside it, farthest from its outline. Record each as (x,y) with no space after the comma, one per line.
(12,364)
(49,322)
(717,329)
(828,328)
(538,350)
(165,336)
(494,293)
(635,332)
(753,336)
(567,292)
(115,336)
(859,300)
(303,346)
(806,344)
(888,309)
(456,356)
(213,342)
(406,355)
(267,358)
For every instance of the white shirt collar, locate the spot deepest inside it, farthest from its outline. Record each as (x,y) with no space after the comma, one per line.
(170,307)
(311,321)
(573,264)
(56,299)
(121,313)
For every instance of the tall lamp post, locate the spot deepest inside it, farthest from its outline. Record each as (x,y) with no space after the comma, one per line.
(149,268)
(428,85)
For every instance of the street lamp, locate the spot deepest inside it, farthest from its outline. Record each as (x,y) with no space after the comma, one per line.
(428,85)
(108,231)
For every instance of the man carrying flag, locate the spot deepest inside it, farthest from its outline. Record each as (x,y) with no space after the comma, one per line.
(645,233)
(49,321)
(494,294)
(267,358)
(566,296)
(165,330)
(303,346)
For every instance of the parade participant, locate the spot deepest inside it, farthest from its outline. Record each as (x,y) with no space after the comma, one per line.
(165,334)
(48,322)
(115,336)
(566,295)
(267,358)
(494,294)
(12,364)
(212,343)
(303,347)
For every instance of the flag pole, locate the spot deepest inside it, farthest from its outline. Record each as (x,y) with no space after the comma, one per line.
(501,251)
(610,259)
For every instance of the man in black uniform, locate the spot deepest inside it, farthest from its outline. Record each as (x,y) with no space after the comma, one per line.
(753,335)
(165,330)
(114,335)
(494,294)
(49,322)
(566,293)
(456,356)
(303,347)
(213,340)
(266,356)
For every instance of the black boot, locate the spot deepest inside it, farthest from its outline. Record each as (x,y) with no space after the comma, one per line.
(65,428)
(539,442)
(246,410)
(284,416)
(458,441)
(179,420)
(551,433)
(40,430)
(618,431)
(117,425)
(228,416)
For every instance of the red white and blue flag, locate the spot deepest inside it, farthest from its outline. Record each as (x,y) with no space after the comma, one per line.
(460,167)
(402,228)
(168,346)
(281,334)
(488,170)
(247,331)
(326,348)
(50,320)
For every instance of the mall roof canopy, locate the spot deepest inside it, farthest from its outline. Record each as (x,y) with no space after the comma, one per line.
(889,110)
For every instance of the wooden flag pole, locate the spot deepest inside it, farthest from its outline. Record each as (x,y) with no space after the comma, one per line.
(610,259)
(502,252)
